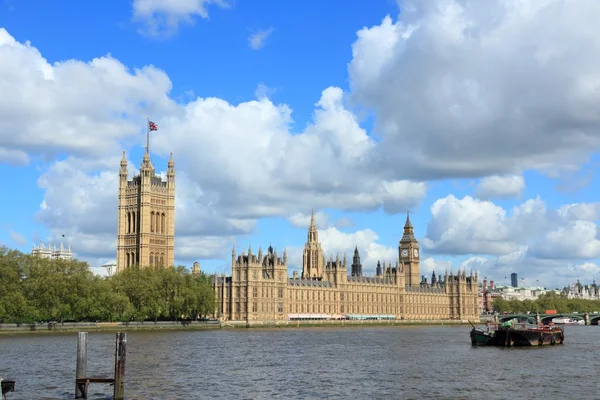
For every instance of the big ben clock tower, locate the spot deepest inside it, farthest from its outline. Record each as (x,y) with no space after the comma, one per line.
(408,250)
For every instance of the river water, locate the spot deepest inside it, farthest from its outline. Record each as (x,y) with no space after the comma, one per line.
(425,362)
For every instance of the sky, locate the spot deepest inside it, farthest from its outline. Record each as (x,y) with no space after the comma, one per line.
(481,118)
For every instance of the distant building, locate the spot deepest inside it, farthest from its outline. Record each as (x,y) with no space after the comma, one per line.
(514,280)
(196,268)
(110,267)
(52,252)
(584,292)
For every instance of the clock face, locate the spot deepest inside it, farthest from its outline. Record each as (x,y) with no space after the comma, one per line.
(404,253)
(416,252)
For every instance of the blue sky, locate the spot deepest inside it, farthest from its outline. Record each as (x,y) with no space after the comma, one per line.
(360,111)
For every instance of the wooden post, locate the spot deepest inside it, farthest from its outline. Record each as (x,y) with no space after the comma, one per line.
(120,351)
(81,369)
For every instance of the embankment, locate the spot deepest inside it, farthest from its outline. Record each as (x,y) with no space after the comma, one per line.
(53,327)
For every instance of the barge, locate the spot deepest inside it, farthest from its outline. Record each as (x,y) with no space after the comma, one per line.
(517,335)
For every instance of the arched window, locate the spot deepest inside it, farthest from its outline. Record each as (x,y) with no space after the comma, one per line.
(162,222)
(151,258)
(158,227)
(162,259)
(156,259)
(133,222)
(128,260)
(152,221)
(128,223)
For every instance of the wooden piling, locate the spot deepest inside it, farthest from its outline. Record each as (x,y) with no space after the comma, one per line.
(81,369)
(120,352)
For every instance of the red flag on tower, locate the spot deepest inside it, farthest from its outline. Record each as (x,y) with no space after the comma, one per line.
(152,126)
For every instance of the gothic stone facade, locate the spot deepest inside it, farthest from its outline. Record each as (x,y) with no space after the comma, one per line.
(259,288)
(146,221)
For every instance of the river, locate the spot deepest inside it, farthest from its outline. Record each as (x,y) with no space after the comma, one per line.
(424,362)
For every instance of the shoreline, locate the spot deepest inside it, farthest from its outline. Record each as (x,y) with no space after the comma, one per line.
(11,329)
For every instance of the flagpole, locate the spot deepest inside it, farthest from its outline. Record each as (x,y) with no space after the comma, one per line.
(148,136)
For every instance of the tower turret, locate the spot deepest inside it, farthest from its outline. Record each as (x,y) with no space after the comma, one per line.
(123,173)
(356,265)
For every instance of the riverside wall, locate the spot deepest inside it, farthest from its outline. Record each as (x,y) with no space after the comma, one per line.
(198,325)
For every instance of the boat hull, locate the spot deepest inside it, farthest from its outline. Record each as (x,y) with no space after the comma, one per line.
(518,337)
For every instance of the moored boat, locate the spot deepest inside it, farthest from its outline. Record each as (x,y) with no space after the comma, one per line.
(568,321)
(517,335)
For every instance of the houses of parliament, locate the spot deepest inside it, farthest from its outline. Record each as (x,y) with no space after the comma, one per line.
(260,289)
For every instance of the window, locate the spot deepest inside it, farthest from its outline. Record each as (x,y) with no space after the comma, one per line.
(255,292)
(279,307)
(254,307)
(280,293)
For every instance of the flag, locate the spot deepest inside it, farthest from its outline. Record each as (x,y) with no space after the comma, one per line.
(152,126)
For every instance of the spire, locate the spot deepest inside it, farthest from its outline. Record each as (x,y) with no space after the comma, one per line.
(146,164)
(356,265)
(313,233)
(123,175)
(407,224)
(171,164)
(409,232)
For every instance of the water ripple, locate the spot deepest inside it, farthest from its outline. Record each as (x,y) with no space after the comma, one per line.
(313,363)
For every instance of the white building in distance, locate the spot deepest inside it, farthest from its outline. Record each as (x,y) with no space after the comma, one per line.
(52,252)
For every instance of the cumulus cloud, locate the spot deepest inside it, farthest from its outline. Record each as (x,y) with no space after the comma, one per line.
(456,88)
(257,40)
(546,245)
(89,111)
(472,89)
(500,187)
(471,226)
(431,264)
(81,108)
(532,271)
(164,17)
(337,243)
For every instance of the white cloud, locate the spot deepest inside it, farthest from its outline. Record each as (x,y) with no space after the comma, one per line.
(500,187)
(532,271)
(300,220)
(163,17)
(431,264)
(472,89)
(470,226)
(71,106)
(90,111)
(257,40)
(339,243)
(263,91)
